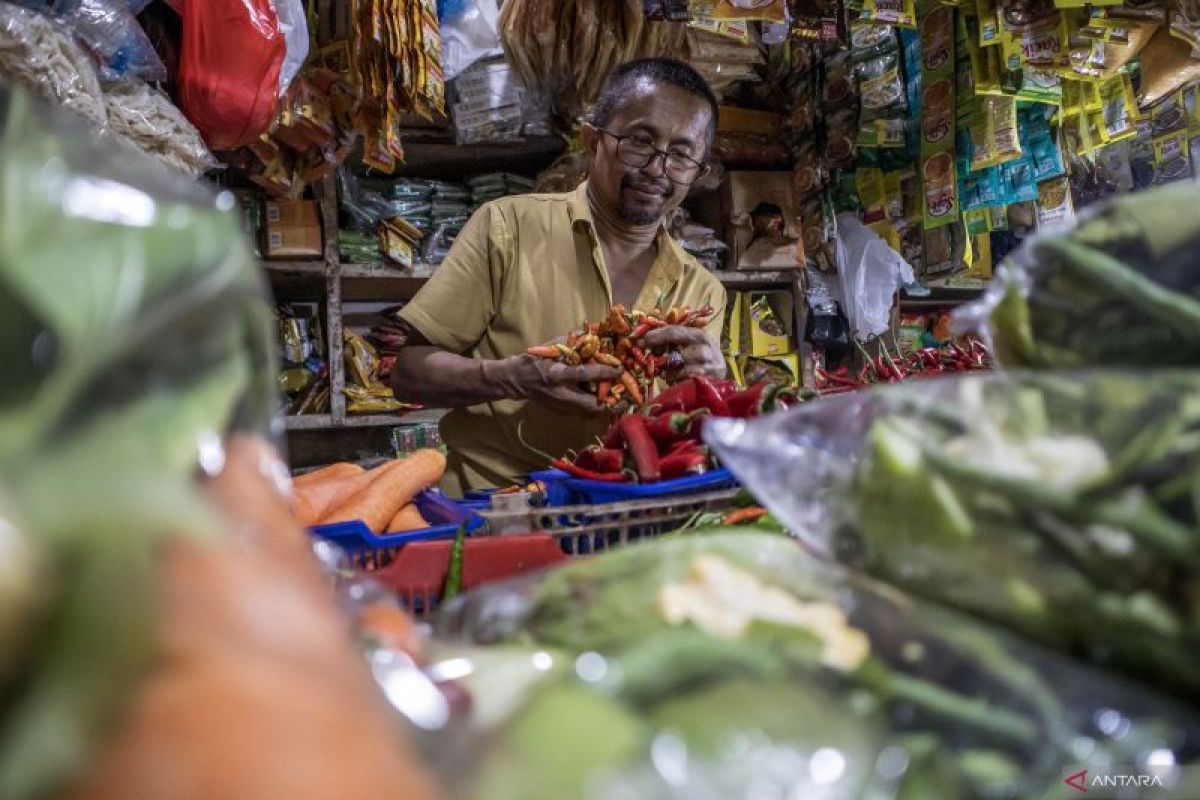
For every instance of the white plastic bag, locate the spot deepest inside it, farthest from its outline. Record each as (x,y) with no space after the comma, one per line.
(871,273)
(470,35)
(295,36)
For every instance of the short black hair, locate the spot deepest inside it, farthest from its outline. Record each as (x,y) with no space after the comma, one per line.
(619,85)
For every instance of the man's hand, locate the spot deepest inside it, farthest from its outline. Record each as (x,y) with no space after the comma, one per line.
(559,386)
(697,353)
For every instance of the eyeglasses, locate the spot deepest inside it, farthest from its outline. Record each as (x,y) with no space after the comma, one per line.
(639,152)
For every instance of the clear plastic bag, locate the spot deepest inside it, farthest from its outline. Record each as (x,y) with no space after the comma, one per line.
(40,54)
(1058,505)
(109,29)
(734,665)
(469,33)
(149,120)
(871,273)
(1118,289)
(294,27)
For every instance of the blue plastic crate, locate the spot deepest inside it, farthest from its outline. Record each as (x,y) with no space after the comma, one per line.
(368,549)
(563,490)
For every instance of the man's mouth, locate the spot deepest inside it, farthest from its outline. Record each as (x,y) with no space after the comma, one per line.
(648,191)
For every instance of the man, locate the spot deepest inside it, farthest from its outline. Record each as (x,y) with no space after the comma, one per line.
(527,270)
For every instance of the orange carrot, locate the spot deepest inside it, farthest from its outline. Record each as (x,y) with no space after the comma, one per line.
(408,518)
(397,485)
(317,499)
(342,469)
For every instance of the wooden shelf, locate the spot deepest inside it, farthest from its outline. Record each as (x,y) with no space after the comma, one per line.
(381,271)
(941,297)
(391,420)
(428,157)
(325,422)
(739,278)
(307,422)
(314,269)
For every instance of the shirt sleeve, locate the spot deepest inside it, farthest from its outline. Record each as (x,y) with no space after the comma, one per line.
(454,308)
(717,298)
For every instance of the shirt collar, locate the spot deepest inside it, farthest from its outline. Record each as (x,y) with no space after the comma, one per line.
(670,258)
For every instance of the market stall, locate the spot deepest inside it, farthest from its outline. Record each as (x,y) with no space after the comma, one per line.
(935,534)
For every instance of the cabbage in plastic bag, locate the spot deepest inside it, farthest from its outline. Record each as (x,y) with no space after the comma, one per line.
(135,334)
(1119,289)
(734,665)
(1063,507)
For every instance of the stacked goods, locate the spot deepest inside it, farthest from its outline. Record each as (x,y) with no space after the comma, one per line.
(492,105)
(928,362)
(365,388)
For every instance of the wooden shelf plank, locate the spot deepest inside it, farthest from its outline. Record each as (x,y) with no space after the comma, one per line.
(739,278)
(391,420)
(314,269)
(382,271)
(941,297)
(307,422)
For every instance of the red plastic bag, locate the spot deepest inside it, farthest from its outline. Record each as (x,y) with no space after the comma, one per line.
(229,69)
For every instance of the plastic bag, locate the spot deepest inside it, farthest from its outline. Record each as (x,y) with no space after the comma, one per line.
(871,273)
(150,121)
(233,51)
(733,665)
(112,33)
(1053,504)
(1118,289)
(294,27)
(39,54)
(137,336)
(469,33)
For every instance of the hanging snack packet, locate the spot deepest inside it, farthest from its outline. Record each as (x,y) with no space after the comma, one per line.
(868,41)
(998,126)
(807,175)
(881,86)
(901,13)
(871,193)
(763,10)
(1171,162)
(1055,210)
(940,185)
(838,88)
(1169,114)
(1166,65)
(1017,183)
(989,22)
(841,130)
(1119,110)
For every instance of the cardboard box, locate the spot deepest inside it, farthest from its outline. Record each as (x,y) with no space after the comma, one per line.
(769,320)
(733,119)
(741,194)
(293,241)
(293,213)
(291,229)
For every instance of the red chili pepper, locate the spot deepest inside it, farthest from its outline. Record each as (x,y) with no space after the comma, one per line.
(641,447)
(682,396)
(684,446)
(838,379)
(600,459)
(641,330)
(708,397)
(587,474)
(674,426)
(676,465)
(544,351)
(651,368)
(743,516)
(635,392)
(726,388)
(639,356)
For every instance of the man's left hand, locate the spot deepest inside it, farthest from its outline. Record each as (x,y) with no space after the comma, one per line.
(700,354)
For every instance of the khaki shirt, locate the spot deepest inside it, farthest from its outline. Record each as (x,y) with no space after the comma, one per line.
(524,271)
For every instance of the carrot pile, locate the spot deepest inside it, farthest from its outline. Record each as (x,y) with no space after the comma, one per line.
(382,497)
(662,441)
(619,341)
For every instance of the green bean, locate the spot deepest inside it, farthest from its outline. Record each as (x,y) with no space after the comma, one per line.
(1172,309)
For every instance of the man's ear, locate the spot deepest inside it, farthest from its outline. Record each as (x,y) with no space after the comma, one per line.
(590,138)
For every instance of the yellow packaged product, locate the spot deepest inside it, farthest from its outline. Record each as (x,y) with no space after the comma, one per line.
(871,192)
(1055,210)
(900,13)
(989,22)
(980,267)
(1119,111)
(886,231)
(1171,160)
(994,132)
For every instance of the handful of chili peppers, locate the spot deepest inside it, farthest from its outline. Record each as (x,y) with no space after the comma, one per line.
(619,341)
(662,440)
(924,363)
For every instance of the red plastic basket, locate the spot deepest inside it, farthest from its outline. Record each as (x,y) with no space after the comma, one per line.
(419,569)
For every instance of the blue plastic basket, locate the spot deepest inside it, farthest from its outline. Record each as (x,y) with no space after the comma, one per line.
(367,549)
(563,490)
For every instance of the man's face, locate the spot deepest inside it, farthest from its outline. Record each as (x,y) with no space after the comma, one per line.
(672,120)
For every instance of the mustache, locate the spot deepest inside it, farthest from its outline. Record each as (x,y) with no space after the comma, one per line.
(665,188)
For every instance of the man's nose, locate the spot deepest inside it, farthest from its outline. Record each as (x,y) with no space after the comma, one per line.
(657,166)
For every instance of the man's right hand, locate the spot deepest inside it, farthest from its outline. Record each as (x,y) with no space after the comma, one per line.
(558,386)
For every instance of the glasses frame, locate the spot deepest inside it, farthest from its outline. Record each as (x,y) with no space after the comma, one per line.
(702,167)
